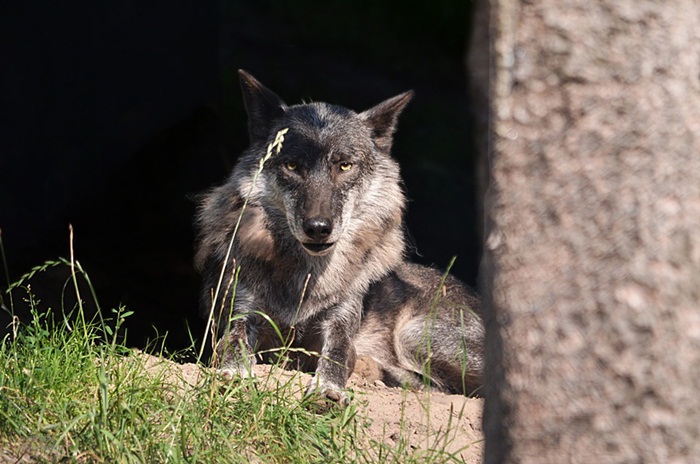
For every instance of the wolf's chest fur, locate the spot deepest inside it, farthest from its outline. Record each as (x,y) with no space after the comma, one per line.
(292,287)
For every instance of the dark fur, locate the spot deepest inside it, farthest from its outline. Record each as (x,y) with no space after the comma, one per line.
(330,206)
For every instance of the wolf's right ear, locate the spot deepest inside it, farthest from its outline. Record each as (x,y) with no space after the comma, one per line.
(262,105)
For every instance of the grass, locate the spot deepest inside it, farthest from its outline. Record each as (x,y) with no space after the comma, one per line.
(72,391)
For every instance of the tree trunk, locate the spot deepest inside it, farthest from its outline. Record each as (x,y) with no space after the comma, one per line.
(592,256)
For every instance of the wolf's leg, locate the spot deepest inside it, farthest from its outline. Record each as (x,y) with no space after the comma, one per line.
(234,351)
(338,353)
(233,354)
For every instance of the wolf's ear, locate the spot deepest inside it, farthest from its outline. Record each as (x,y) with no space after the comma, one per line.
(382,119)
(262,105)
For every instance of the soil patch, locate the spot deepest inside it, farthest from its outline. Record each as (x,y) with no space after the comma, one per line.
(424,419)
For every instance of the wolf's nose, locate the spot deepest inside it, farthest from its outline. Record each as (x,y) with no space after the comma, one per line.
(318,228)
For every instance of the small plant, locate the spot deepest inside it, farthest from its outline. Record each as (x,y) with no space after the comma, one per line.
(71,391)
(272,149)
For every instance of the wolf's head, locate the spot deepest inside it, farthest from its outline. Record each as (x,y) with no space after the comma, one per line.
(334,179)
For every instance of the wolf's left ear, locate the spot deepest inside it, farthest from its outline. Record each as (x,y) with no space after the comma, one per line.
(382,119)
(262,105)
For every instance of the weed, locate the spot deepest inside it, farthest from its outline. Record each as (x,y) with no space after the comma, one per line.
(71,391)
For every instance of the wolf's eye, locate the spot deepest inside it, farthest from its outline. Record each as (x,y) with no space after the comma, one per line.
(345,166)
(291,166)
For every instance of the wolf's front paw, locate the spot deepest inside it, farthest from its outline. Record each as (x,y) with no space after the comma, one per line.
(229,373)
(326,390)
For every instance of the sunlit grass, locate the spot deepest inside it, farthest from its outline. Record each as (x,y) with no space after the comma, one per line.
(71,391)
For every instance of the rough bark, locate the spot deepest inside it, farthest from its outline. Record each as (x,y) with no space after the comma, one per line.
(592,264)
(477,64)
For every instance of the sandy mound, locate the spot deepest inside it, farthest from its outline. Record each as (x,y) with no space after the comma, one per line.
(425,419)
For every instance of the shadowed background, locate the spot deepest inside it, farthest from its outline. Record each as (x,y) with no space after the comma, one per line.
(113,116)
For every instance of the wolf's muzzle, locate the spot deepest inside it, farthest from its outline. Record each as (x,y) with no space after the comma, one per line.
(317,229)
(318,249)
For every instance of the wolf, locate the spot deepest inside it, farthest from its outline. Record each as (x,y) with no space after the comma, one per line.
(319,254)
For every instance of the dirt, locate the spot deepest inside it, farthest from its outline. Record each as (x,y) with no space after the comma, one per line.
(425,419)
(425,416)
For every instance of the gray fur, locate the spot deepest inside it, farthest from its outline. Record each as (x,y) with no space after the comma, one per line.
(329,208)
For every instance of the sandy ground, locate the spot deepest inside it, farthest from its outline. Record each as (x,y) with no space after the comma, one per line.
(425,416)
(397,417)
(425,419)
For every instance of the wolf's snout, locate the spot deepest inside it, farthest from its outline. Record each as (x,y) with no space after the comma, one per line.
(318,228)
